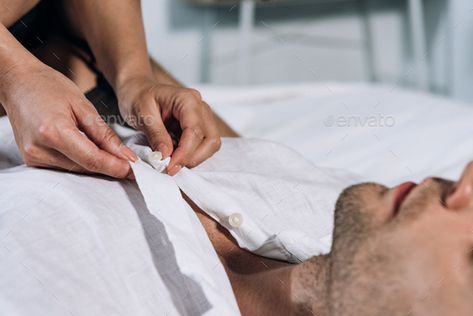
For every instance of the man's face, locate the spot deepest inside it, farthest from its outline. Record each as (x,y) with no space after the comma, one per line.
(401,252)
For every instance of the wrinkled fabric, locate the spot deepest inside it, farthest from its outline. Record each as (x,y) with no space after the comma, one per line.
(285,202)
(195,255)
(94,246)
(90,245)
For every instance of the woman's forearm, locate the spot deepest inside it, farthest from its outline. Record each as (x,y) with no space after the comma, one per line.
(114,30)
(13,56)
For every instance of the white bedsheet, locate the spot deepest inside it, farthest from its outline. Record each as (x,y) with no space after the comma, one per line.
(431,135)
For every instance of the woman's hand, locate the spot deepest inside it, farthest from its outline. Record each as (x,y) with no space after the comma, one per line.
(55,126)
(148,106)
(462,196)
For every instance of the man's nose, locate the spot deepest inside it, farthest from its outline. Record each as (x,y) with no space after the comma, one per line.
(440,188)
(462,195)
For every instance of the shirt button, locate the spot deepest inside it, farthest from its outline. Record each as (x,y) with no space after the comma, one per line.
(155,156)
(235,220)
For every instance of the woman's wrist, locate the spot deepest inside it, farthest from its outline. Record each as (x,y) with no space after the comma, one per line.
(14,58)
(123,74)
(12,75)
(128,89)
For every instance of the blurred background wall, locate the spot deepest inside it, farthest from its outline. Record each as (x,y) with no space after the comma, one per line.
(314,40)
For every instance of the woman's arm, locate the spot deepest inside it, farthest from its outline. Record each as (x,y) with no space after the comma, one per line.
(12,56)
(114,30)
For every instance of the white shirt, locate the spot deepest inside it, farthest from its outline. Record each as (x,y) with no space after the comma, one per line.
(82,245)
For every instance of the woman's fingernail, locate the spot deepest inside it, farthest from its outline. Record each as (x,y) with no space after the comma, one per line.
(163,149)
(128,153)
(174,169)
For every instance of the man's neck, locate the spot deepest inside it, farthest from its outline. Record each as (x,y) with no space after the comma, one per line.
(291,290)
(264,292)
(310,287)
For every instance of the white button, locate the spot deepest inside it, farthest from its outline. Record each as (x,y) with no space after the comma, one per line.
(235,220)
(155,156)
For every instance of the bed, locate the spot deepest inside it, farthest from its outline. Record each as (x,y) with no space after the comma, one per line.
(383,133)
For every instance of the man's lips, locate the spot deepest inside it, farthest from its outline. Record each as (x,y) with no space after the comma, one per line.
(400,194)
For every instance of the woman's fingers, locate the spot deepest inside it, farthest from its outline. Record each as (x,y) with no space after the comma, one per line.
(49,158)
(90,122)
(190,115)
(147,118)
(52,159)
(208,147)
(146,105)
(211,142)
(81,150)
(191,138)
(462,195)
(200,138)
